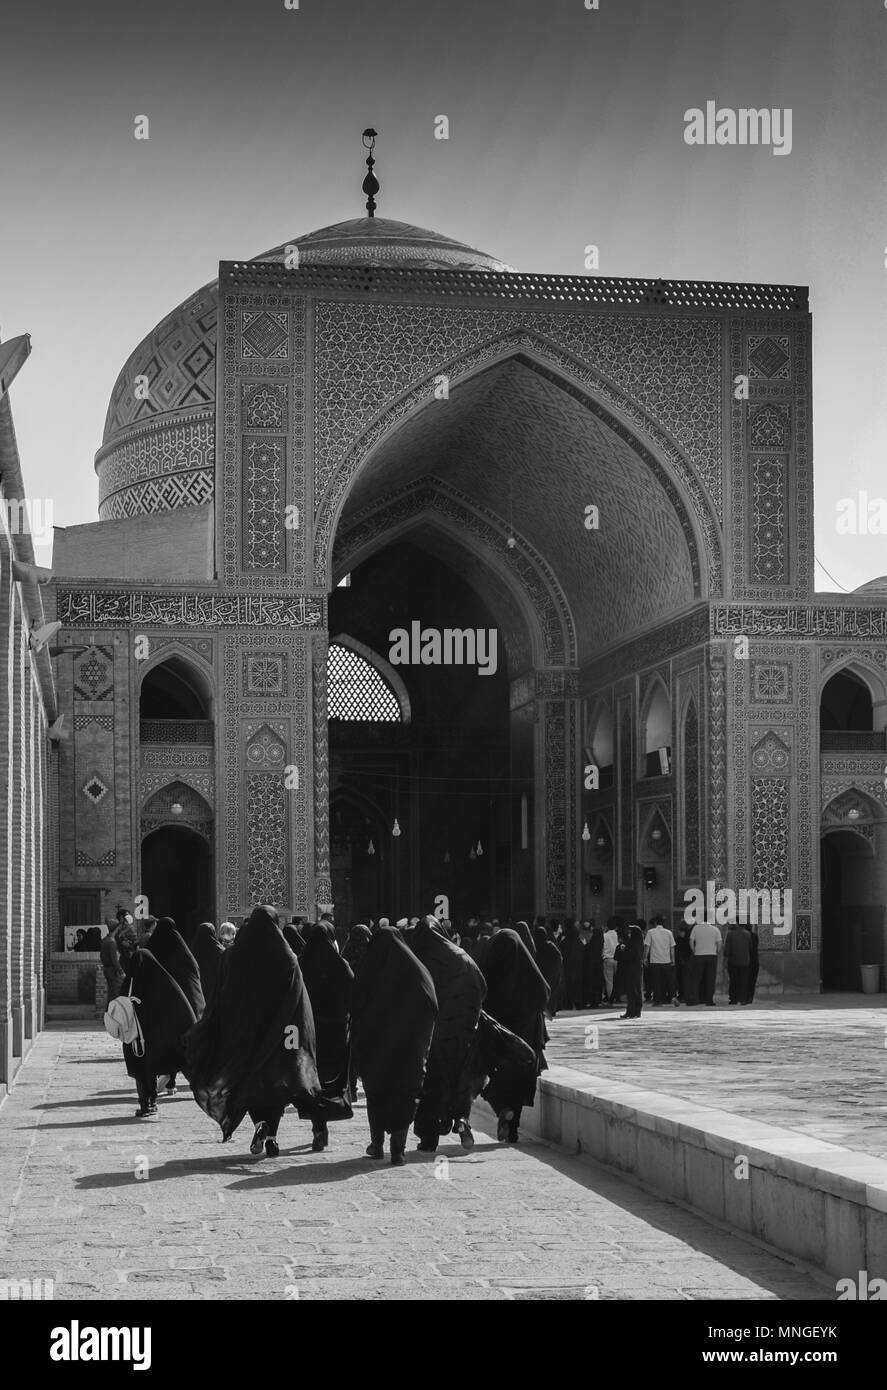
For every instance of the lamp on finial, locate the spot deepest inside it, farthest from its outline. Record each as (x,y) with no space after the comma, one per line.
(371,183)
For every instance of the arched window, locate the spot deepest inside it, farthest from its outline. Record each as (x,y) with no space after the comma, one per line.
(358,691)
(846,704)
(599,743)
(175,704)
(657,732)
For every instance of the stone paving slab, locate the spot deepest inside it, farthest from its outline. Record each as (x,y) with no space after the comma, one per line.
(816,1064)
(212,1222)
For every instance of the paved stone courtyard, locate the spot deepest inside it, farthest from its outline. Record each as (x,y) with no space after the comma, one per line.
(816,1064)
(211,1222)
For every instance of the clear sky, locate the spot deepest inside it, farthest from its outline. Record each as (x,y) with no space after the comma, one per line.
(566,127)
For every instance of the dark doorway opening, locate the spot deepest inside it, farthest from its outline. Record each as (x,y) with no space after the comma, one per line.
(177,876)
(852,925)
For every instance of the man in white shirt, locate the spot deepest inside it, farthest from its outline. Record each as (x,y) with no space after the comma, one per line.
(706,942)
(659,953)
(611,941)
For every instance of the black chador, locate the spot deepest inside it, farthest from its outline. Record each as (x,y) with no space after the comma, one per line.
(208,952)
(446,1098)
(516,998)
(393,1008)
(165,1015)
(254,1049)
(329,981)
(167,945)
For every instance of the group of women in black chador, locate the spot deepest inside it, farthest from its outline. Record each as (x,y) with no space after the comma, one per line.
(283,1018)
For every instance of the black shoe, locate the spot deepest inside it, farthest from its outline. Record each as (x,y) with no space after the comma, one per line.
(272,1148)
(397,1159)
(320,1141)
(466,1138)
(375,1151)
(172,1090)
(258,1140)
(503,1129)
(424,1148)
(621,1016)
(146,1112)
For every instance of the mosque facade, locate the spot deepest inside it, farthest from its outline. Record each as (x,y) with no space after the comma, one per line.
(375,430)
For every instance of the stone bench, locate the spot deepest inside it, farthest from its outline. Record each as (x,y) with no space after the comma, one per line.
(815,1201)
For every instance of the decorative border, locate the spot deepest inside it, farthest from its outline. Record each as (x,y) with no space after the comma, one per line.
(186,609)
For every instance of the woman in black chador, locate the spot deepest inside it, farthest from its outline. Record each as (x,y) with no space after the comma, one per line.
(254,1049)
(393,1008)
(167,946)
(550,963)
(165,1015)
(329,981)
(445,1103)
(206,950)
(517,996)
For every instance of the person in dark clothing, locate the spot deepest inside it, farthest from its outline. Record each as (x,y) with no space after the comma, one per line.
(526,936)
(254,1049)
(753,966)
(393,1009)
(445,1102)
(329,981)
(295,938)
(683,964)
(550,962)
(165,1016)
(632,962)
(167,945)
(517,996)
(112,968)
(593,968)
(573,951)
(357,945)
(208,953)
(737,954)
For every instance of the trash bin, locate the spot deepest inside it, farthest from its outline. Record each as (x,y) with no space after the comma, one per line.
(870,978)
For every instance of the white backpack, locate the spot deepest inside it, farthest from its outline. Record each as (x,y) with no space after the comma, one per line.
(122,1022)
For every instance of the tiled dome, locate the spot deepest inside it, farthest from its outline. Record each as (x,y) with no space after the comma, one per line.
(158,452)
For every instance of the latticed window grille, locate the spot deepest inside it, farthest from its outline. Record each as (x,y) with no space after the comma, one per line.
(357,691)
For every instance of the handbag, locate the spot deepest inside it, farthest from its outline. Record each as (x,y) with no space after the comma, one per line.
(122,1022)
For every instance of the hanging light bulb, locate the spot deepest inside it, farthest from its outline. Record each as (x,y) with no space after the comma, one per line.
(371,848)
(480,849)
(446,856)
(471,853)
(586,833)
(395,829)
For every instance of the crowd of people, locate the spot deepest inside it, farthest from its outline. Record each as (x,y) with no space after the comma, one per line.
(298,1014)
(426,1018)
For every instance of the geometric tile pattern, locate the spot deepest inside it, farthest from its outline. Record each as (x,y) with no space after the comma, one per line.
(356,690)
(178,359)
(398,345)
(264,407)
(769,527)
(263,534)
(266,861)
(264,334)
(184,449)
(768,427)
(769,357)
(160,495)
(770,833)
(771,682)
(95,789)
(264,673)
(691,792)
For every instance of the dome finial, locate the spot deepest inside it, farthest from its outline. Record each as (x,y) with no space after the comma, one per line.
(371,183)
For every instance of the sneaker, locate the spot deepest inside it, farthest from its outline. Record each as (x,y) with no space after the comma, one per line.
(272,1148)
(172,1090)
(258,1140)
(146,1112)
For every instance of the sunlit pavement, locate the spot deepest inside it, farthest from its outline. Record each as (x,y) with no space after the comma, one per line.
(207,1221)
(816,1064)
